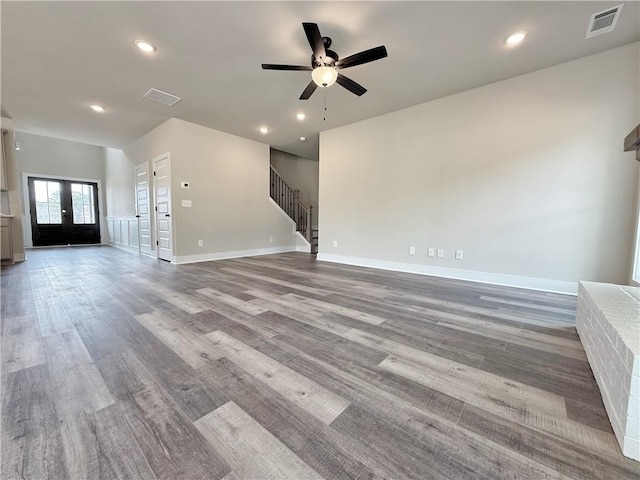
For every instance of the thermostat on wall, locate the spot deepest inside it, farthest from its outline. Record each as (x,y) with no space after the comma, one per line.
(184,184)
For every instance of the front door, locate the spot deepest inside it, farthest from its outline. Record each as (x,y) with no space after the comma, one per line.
(162,178)
(63,212)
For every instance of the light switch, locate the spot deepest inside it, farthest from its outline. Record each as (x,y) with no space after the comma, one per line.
(186,203)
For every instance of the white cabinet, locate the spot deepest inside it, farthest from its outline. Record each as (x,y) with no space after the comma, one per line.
(6,243)
(3,164)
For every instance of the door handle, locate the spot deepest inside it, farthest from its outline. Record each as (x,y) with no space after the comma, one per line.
(167,215)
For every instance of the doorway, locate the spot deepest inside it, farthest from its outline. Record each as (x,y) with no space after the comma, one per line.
(63,212)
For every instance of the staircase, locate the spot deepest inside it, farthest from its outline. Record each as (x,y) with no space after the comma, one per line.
(289,201)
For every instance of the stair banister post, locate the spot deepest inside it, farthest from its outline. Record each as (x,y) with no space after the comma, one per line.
(309,227)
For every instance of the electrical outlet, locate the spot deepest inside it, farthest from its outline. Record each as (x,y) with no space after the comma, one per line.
(201,243)
(335,244)
(459,254)
(412,250)
(270,239)
(432,252)
(441,253)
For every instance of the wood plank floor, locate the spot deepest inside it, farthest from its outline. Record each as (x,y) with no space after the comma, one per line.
(116,365)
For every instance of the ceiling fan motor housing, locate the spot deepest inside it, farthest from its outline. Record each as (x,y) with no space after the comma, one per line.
(329,60)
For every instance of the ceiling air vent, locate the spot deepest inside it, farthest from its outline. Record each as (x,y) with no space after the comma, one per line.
(162,97)
(603,22)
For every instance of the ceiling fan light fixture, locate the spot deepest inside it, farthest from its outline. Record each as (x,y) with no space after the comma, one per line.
(324,76)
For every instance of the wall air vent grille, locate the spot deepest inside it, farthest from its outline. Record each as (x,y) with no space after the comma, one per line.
(162,97)
(603,22)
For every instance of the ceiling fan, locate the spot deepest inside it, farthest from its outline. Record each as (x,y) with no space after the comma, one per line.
(325,63)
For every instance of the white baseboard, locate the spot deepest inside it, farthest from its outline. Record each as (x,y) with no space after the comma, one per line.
(555,286)
(207,257)
(122,246)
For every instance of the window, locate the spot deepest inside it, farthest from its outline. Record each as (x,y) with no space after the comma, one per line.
(82,200)
(48,209)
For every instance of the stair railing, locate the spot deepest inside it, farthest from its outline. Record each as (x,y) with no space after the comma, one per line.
(289,201)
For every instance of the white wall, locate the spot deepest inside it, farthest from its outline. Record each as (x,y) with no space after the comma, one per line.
(229,191)
(53,157)
(299,173)
(154,143)
(527,176)
(119,174)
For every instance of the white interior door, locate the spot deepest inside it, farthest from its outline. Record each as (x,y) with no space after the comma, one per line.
(143,208)
(162,177)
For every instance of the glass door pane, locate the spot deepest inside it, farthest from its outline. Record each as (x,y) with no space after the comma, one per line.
(48,202)
(82,203)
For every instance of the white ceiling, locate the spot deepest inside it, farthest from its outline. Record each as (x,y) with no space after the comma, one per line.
(59,57)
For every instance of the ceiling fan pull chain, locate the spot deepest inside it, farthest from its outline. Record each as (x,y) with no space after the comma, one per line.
(324,118)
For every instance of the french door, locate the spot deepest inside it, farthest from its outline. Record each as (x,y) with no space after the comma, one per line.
(63,212)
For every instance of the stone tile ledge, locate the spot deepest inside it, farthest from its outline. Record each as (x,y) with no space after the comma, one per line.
(608,323)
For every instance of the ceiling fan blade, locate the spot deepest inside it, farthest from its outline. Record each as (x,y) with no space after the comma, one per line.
(308,91)
(363,57)
(350,85)
(271,66)
(315,40)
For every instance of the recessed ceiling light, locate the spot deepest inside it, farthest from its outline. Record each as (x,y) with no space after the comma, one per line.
(515,38)
(146,47)
(303,139)
(264,130)
(97,108)
(300,116)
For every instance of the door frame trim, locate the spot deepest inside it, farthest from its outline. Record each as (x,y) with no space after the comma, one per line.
(26,215)
(166,155)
